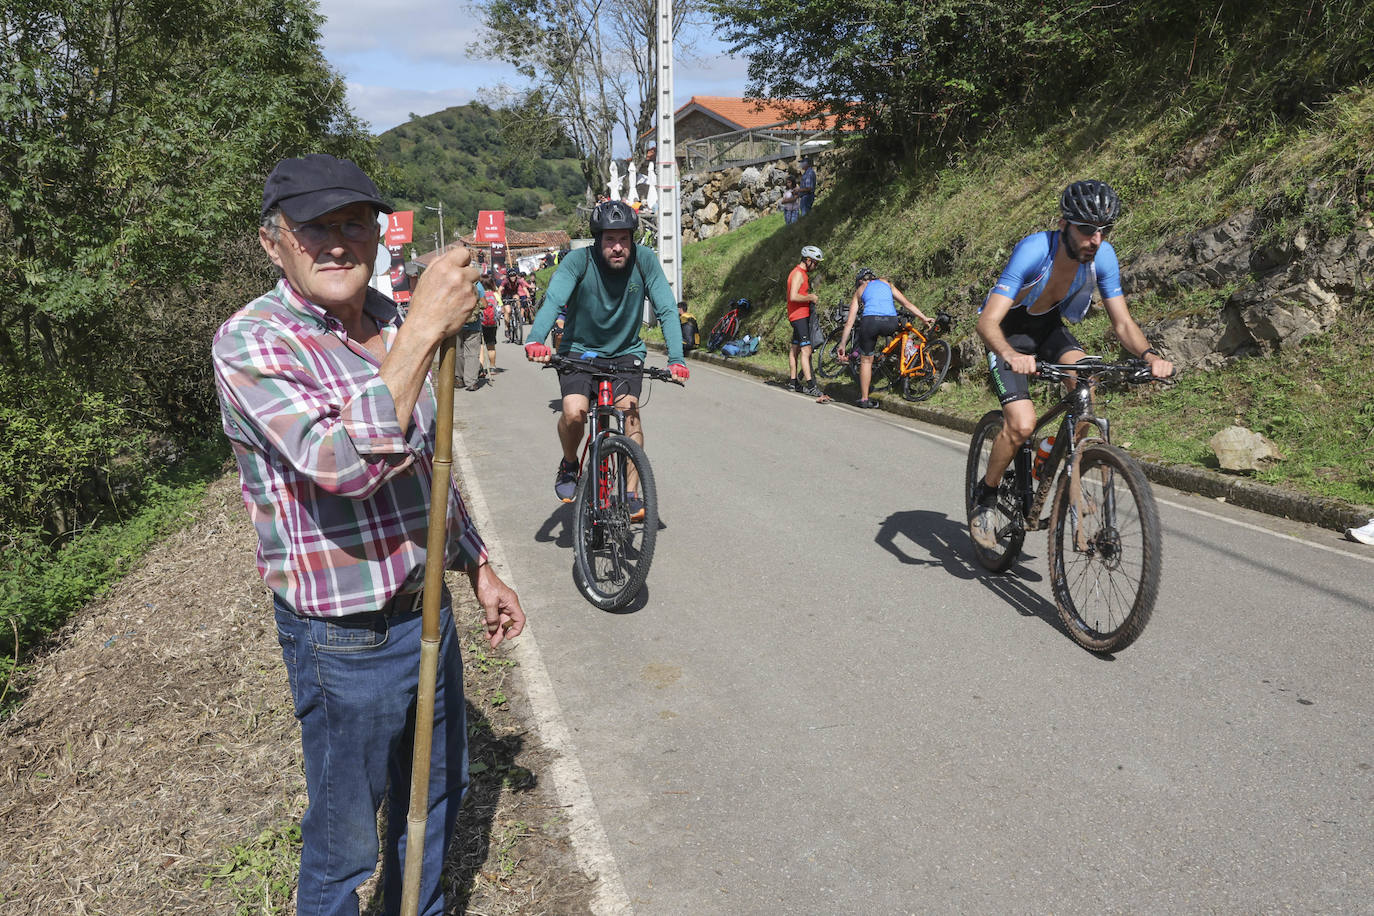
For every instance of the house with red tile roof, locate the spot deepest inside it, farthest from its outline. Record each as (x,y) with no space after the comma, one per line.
(747,130)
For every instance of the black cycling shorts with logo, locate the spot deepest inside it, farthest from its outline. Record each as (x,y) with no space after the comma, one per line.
(1047,340)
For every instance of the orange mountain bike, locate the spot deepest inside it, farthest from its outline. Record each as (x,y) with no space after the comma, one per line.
(913,363)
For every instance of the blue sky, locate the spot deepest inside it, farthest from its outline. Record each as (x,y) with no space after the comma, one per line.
(407,56)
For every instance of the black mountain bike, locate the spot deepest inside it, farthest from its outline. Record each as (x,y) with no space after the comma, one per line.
(1104,538)
(515,328)
(615,506)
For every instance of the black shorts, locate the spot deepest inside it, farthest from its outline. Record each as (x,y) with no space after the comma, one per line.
(871,327)
(801,332)
(489,336)
(1045,337)
(582,382)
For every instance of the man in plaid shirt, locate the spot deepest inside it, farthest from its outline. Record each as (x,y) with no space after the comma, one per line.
(326,400)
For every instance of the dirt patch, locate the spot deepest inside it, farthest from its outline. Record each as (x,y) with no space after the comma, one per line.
(154,766)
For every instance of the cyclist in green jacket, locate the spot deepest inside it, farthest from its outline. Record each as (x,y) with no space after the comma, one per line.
(601,289)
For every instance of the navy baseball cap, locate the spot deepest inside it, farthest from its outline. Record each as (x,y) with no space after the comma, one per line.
(316,185)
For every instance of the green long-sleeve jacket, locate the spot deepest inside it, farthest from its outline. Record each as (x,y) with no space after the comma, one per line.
(605,307)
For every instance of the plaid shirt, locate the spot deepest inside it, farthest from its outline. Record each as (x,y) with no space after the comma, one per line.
(337,489)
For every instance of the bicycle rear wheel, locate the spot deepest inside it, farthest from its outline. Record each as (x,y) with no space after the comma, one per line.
(884,368)
(827,362)
(1011,532)
(1105,550)
(612,551)
(922,382)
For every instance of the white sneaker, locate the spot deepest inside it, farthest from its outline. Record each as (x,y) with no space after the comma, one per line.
(1364,535)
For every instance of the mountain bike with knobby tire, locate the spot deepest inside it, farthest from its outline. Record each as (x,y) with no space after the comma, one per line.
(515,329)
(1105,550)
(615,505)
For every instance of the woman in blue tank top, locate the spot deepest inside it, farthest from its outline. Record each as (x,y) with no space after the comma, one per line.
(879,299)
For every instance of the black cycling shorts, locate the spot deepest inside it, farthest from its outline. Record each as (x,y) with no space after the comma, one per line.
(871,327)
(489,336)
(584,384)
(1045,336)
(801,332)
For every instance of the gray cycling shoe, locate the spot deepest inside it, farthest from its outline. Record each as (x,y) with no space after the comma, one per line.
(982,524)
(982,527)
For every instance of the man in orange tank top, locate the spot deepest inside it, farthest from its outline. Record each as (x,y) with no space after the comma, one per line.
(800,300)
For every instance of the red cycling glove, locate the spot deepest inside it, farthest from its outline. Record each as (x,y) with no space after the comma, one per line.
(680,371)
(536,351)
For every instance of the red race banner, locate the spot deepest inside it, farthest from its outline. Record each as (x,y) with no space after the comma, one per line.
(399,226)
(491,226)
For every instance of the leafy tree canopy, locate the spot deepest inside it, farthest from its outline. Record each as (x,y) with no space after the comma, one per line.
(932,74)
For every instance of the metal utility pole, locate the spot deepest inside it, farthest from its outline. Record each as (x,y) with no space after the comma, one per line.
(669,211)
(443,239)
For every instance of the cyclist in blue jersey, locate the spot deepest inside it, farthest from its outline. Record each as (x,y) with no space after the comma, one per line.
(878,297)
(1051,276)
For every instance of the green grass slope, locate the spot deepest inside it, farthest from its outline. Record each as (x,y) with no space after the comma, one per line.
(943,234)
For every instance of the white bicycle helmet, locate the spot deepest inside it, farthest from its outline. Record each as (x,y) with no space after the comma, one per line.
(812,252)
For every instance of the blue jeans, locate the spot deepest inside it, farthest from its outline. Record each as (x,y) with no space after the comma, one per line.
(354,682)
(807,199)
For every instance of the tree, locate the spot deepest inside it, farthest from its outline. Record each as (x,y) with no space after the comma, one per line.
(134,140)
(594,64)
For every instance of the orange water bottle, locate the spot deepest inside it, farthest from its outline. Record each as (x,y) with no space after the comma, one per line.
(1042,452)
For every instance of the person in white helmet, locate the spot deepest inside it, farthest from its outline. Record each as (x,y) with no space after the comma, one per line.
(800,301)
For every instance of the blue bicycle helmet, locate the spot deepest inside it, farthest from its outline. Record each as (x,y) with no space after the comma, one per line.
(742,304)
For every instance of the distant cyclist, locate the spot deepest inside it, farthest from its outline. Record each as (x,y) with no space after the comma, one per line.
(878,298)
(1051,276)
(800,302)
(601,290)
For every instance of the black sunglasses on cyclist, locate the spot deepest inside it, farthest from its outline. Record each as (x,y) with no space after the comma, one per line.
(315,234)
(1089,230)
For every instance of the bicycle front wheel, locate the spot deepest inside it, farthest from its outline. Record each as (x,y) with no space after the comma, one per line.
(720,333)
(1105,550)
(613,540)
(1011,531)
(924,378)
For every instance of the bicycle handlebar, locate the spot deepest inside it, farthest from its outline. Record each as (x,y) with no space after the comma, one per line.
(1132,371)
(563,364)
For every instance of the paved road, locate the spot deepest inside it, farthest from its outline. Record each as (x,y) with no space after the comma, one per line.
(823,707)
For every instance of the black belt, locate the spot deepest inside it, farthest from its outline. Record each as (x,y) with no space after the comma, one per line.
(405,603)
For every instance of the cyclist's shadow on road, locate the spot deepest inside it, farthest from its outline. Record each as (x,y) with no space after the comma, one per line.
(942,541)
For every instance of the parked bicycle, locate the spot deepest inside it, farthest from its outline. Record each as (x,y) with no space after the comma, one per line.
(727,328)
(915,363)
(615,506)
(910,361)
(1104,537)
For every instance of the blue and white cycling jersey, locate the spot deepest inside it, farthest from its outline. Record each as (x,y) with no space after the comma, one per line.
(877,300)
(1028,271)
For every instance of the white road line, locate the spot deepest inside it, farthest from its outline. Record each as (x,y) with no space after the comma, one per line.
(588,838)
(1363,558)
(1260,528)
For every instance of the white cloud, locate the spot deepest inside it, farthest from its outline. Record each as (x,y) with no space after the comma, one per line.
(408,29)
(386,106)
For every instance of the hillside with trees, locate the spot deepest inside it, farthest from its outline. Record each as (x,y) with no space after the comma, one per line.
(1236,133)
(471,158)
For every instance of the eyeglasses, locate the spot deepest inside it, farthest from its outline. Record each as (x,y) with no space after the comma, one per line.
(1089,230)
(313,234)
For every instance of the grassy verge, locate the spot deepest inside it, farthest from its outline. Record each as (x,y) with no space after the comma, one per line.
(943,235)
(41,586)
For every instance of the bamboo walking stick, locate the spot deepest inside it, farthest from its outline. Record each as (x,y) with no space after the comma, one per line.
(417,820)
